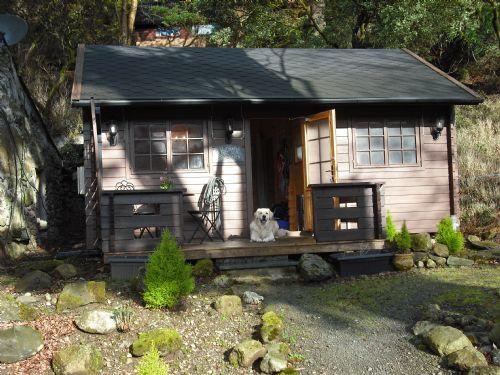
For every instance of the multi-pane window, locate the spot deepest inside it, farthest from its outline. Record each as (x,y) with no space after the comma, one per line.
(169,146)
(390,143)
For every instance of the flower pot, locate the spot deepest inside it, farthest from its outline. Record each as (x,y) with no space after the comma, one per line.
(403,262)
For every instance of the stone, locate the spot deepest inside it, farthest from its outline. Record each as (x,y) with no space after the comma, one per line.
(81,293)
(420,264)
(203,268)
(222,281)
(36,280)
(27,299)
(77,359)
(459,262)
(445,340)
(96,321)
(229,305)
(275,359)
(18,343)
(440,261)
(252,298)
(431,312)
(314,268)
(15,250)
(490,370)
(47,265)
(494,334)
(430,263)
(246,353)
(421,242)
(495,357)
(441,250)
(465,359)
(419,256)
(66,271)
(272,327)
(289,371)
(165,340)
(476,243)
(9,310)
(422,327)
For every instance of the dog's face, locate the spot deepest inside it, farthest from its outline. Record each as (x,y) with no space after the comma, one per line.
(263,215)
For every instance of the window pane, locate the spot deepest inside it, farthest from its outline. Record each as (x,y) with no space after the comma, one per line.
(376,143)
(378,158)
(409,142)
(363,158)
(141,147)
(195,161)
(141,163)
(395,157)
(394,143)
(179,146)
(158,163)
(158,147)
(409,157)
(180,161)
(158,131)
(408,130)
(195,131)
(179,131)
(141,132)
(362,143)
(195,145)
(362,131)
(394,131)
(376,131)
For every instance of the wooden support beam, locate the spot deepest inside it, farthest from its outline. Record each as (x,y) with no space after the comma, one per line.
(97,164)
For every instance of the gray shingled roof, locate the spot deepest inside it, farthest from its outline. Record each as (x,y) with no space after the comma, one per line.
(116,74)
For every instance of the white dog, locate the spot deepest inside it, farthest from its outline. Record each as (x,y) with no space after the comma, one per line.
(264,228)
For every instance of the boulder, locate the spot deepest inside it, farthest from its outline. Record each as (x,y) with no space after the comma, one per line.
(431,312)
(16,250)
(18,343)
(81,293)
(445,340)
(252,298)
(77,359)
(420,264)
(494,334)
(419,256)
(430,263)
(9,310)
(440,250)
(275,359)
(222,281)
(495,357)
(458,262)
(246,353)
(465,359)
(165,340)
(421,242)
(289,371)
(36,280)
(272,327)
(490,370)
(96,321)
(314,268)
(476,243)
(66,271)
(27,299)
(422,327)
(440,261)
(47,265)
(229,305)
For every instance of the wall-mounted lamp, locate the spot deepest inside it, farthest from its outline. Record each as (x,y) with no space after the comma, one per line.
(113,134)
(438,128)
(229,130)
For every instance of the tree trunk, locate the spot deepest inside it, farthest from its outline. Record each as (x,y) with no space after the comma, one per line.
(124,23)
(131,20)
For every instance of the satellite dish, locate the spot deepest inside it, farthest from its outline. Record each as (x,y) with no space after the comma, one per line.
(12,29)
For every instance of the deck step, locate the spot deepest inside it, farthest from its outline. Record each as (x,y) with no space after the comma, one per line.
(254,262)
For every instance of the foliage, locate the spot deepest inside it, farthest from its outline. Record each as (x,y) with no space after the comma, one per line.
(403,239)
(168,277)
(164,339)
(203,268)
(448,236)
(151,364)
(390,228)
(123,317)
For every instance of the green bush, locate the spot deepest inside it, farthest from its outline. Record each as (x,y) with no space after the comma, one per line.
(151,364)
(449,236)
(168,277)
(203,268)
(390,228)
(403,239)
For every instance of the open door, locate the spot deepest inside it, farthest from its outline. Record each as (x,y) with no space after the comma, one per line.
(319,161)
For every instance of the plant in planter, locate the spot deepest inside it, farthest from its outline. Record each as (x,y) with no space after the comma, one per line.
(403,259)
(166,183)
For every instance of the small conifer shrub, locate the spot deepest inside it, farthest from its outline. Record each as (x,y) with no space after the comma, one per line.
(168,277)
(152,364)
(448,236)
(390,228)
(403,240)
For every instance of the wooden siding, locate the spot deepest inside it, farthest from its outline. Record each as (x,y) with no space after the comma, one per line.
(418,194)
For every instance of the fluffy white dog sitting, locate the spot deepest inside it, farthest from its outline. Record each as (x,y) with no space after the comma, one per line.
(264,228)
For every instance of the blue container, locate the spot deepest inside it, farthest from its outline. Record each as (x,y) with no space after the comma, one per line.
(283,224)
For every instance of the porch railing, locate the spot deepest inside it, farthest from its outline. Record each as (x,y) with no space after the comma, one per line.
(133,220)
(347,211)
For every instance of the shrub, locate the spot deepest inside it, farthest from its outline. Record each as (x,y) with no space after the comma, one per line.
(123,317)
(168,277)
(448,236)
(151,364)
(203,268)
(391,231)
(403,239)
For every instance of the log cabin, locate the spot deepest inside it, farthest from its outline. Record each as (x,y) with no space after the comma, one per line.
(330,139)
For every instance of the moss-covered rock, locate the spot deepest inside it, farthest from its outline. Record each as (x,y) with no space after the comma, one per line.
(81,293)
(18,343)
(444,340)
(28,313)
(165,340)
(466,359)
(9,309)
(36,280)
(229,305)
(203,268)
(272,327)
(421,242)
(275,359)
(77,359)
(66,271)
(246,353)
(289,371)
(42,265)
(441,250)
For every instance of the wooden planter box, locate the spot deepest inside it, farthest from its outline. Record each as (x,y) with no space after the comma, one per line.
(363,264)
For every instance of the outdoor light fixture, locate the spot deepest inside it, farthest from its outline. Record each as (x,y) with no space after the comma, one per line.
(229,130)
(113,134)
(438,128)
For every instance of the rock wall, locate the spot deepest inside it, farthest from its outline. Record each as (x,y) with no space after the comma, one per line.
(29,169)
